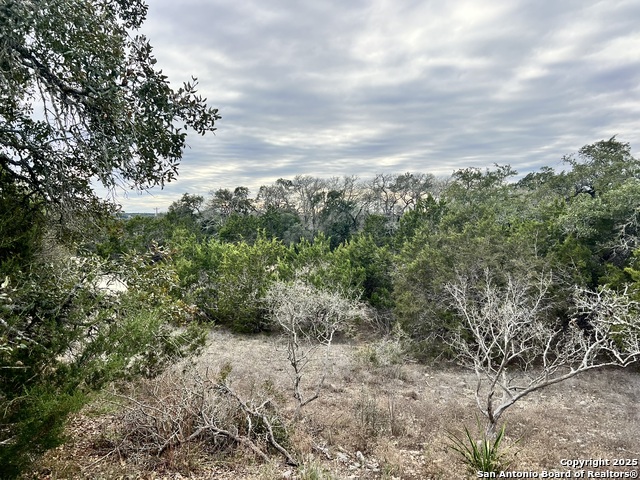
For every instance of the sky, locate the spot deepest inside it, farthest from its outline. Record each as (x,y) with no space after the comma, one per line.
(333,88)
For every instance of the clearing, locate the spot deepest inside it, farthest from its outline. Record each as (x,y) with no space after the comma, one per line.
(376,417)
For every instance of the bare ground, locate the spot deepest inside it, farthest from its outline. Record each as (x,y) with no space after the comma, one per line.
(373,419)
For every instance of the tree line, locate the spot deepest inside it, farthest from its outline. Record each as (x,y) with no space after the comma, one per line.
(304,206)
(402,238)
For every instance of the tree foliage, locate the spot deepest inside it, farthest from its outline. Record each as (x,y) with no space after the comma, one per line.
(399,239)
(82,101)
(68,328)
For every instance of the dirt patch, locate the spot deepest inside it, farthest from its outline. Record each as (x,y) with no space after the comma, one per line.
(372,420)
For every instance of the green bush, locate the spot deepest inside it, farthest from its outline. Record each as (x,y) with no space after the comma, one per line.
(315,263)
(65,336)
(33,422)
(227,281)
(372,266)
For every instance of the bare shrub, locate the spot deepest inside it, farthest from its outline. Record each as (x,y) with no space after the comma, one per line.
(370,420)
(386,352)
(182,407)
(382,321)
(515,350)
(613,323)
(309,318)
(396,423)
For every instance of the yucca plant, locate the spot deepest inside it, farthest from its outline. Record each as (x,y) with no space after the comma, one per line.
(485,454)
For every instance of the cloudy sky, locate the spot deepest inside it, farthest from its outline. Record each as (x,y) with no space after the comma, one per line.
(332,88)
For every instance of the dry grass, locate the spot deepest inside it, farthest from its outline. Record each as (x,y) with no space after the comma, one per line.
(372,420)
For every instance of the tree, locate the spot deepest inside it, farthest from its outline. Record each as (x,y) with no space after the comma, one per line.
(474,194)
(186,213)
(597,209)
(375,264)
(309,195)
(65,332)
(427,215)
(410,189)
(82,100)
(240,228)
(277,195)
(188,206)
(283,225)
(308,319)
(507,338)
(223,204)
(20,224)
(338,223)
(602,166)
(437,247)
(392,195)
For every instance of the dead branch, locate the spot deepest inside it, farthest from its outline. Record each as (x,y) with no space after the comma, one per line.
(258,412)
(515,350)
(177,409)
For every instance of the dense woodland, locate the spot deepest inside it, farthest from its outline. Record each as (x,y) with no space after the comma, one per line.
(395,241)
(89,297)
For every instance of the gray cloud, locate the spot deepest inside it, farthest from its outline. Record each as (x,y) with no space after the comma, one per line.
(334,88)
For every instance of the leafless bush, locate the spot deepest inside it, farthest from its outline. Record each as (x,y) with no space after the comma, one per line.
(515,350)
(396,424)
(387,352)
(382,322)
(371,419)
(613,324)
(309,319)
(178,408)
